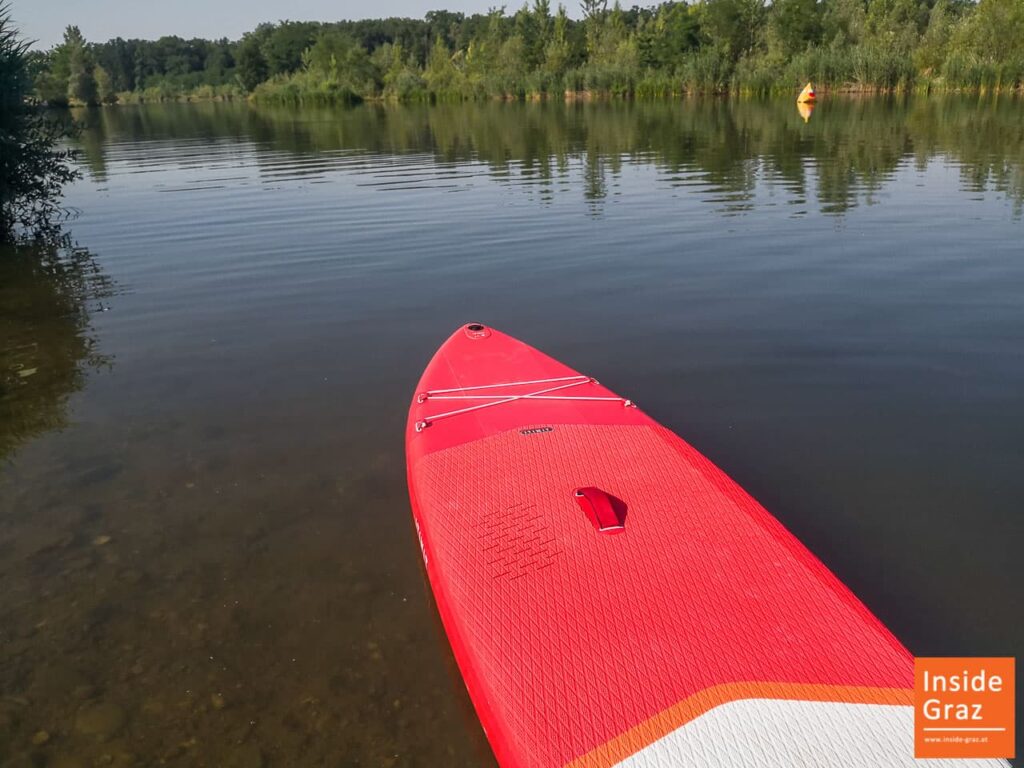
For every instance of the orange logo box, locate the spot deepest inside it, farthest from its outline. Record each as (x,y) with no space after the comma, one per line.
(963,707)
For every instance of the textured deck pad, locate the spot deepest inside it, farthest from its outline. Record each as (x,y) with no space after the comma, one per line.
(702,634)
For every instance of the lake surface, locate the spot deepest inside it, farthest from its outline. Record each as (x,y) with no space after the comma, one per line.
(206,551)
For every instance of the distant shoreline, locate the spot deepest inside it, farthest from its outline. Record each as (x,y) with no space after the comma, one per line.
(745,47)
(849,90)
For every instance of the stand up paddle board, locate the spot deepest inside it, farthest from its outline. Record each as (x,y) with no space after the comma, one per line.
(612,598)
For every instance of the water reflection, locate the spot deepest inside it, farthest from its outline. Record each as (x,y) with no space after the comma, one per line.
(843,157)
(48,292)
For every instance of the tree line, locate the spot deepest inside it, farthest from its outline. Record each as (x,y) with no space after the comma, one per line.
(708,46)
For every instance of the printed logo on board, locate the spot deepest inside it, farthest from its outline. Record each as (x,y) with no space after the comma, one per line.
(963,707)
(535,430)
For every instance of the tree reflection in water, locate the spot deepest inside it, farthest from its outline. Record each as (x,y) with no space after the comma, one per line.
(48,292)
(841,158)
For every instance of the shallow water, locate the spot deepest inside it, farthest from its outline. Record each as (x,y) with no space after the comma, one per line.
(206,552)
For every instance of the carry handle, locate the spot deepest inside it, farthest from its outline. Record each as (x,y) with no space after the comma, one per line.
(606,513)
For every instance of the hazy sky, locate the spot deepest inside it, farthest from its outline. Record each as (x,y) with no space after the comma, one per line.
(44,20)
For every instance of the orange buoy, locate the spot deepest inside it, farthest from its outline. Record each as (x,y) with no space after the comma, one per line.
(806,95)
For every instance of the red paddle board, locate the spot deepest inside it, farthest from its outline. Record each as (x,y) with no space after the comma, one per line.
(612,598)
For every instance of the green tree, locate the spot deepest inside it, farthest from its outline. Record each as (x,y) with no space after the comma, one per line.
(484,49)
(32,170)
(218,61)
(115,56)
(558,53)
(53,83)
(734,26)
(339,57)
(104,86)
(81,75)
(594,13)
(512,67)
(400,80)
(844,22)
(50,87)
(542,18)
(670,35)
(252,66)
(441,75)
(446,24)
(931,53)
(795,24)
(893,24)
(994,32)
(284,45)
(528,28)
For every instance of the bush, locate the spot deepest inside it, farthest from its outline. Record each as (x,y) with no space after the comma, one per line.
(877,67)
(32,171)
(656,84)
(758,75)
(706,71)
(405,85)
(304,88)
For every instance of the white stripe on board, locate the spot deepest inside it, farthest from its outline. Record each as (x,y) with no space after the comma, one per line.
(778,733)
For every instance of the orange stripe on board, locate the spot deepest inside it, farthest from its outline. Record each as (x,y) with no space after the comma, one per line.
(660,725)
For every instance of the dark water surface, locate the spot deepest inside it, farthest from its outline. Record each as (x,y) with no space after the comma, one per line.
(206,554)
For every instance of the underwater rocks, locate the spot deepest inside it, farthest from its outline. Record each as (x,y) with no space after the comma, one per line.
(100,720)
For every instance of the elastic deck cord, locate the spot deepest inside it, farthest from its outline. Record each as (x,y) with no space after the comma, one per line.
(503,398)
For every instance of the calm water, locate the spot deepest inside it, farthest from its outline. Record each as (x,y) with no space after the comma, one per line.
(206,552)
